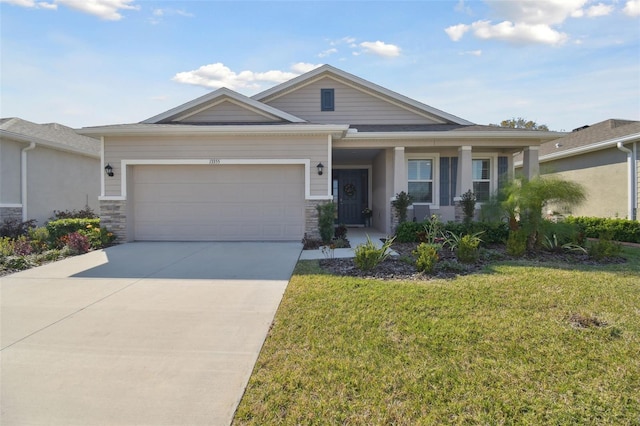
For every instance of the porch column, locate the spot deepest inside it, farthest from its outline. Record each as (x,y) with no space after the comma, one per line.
(464,182)
(399,171)
(530,163)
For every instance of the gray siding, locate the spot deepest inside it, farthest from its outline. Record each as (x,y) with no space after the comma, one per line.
(227,112)
(10,171)
(352,106)
(221,147)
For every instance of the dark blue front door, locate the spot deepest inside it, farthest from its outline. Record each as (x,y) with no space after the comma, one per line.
(350,190)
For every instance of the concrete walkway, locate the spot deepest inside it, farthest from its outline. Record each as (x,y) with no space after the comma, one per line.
(356,236)
(141,333)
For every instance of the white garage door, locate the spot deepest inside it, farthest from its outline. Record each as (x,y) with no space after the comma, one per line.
(218,203)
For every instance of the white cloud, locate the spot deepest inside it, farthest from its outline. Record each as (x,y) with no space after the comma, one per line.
(327,52)
(518,32)
(599,9)
(219,75)
(159,14)
(632,8)
(548,12)
(380,48)
(455,32)
(108,10)
(472,52)
(31,3)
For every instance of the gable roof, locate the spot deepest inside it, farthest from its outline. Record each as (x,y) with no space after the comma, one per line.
(602,135)
(360,84)
(182,112)
(51,135)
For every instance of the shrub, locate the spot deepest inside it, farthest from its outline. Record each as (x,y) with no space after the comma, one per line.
(39,239)
(59,228)
(368,256)
(432,230)
(18,262)
(407,232)
(619,229)
(492,232)
(517,243)
(77,243)
(326,217)
(86,213)
(401,203)
(6,246)
(98,237)
(14,228)
(467,251)
(604,247)
(468,202)
(426,257)
(22,247)
(341,231)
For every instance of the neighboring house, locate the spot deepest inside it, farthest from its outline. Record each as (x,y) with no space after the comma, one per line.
(230,167)
(603,158)
(46,167)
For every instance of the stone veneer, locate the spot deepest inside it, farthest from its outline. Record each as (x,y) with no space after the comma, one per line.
(10,213)
(311,230)
(113,215)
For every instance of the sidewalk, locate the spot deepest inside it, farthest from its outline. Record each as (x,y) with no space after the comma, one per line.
(356,236)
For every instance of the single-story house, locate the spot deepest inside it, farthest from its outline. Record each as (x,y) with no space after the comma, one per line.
(230,167)
(46,167)
(604,158)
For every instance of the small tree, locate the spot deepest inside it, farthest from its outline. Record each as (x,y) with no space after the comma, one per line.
(401,204)
(525,199)
(468,205)
(326,217)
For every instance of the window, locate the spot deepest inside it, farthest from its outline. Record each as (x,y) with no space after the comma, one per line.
(327,100)
(421,180)
(481,176)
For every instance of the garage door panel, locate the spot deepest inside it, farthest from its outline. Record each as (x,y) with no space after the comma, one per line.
(173,203)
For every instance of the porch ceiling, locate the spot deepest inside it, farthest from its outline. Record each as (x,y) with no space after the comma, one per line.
(354,155)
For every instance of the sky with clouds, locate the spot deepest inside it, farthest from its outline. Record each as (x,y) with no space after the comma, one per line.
(564,63)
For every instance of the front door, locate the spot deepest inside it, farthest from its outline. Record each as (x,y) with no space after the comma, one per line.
(350,192)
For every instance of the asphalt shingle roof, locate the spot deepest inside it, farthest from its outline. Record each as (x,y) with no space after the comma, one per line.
(52,134)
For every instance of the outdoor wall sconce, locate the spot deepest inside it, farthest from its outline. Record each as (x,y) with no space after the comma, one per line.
(108,170)
(320,167)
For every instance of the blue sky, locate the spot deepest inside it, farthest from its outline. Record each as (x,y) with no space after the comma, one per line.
(564,63)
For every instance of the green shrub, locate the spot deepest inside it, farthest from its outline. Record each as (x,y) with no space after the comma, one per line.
(431,230)
(39,239)
(18,262)
(492,232)
(368,256)
(6,247)
(326,217)
(59,228)
(517,243)
(620,229)
(467,251)
(407,232)
(97,237)
(86,213)
(401,203)
(426,257)
(468,202)
(604,247)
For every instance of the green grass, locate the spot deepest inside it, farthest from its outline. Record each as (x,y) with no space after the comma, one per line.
(491,348)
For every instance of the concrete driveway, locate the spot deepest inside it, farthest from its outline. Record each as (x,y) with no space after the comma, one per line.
(138,334)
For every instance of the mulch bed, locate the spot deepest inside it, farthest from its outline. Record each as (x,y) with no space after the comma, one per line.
(402,267)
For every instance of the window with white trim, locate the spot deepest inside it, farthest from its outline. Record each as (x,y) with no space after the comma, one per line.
(420,179)
(481,177)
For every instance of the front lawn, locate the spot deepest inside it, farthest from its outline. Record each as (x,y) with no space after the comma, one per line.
(519,343)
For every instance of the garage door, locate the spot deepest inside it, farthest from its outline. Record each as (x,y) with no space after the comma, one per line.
(218,203)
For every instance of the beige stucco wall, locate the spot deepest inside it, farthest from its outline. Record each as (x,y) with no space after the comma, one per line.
(604,176)
(313,148)
(60,181)
(10,171)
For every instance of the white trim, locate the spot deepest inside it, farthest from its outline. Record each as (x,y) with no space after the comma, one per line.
(10,206)
(493,171)
(213,162)
(102,165)
(435,158)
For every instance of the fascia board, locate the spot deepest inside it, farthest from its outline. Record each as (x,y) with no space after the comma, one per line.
(135,129)
(47,143)
(538,136)
(313,75)
(611,143)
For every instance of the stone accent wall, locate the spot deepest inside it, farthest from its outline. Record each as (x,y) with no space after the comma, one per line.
(459,212)
(113,215)
(311,230)
(395,219)
(10,213)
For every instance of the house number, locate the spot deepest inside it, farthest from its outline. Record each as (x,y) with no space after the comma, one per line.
(214,161)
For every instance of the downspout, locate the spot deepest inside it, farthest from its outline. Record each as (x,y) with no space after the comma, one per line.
(631,184)
(23,178)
